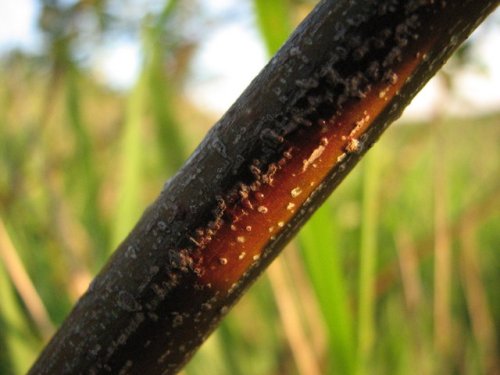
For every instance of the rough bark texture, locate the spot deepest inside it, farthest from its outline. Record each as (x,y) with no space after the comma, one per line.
(344,75)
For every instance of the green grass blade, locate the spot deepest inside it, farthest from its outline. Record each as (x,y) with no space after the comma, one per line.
(84,166)
(368,260)
(321,255)
(160,98)
(129,202)
(273,19)
(16,332)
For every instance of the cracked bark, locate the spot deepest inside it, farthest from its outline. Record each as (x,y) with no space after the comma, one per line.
(344,75)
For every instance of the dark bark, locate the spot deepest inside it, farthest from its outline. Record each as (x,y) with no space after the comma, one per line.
(344,75)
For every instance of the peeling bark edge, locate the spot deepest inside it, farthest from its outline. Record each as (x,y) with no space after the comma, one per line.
(344,75)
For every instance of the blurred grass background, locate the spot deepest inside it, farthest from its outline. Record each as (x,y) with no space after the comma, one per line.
(398,273)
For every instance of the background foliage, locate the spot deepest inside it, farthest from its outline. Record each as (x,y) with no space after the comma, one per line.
(397,273)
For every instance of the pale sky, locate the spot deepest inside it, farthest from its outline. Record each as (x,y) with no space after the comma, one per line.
(228,71)
(18,24)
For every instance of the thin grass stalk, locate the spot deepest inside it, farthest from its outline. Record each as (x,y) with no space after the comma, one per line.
(23,284)
(309,306)
(84,160)
(368,262)
(410,274)
(300,346)
(325,267)
(273,20)
(20,348)
(414,299)
(159,94)
(76,272)
(128,201)
(227,353)
(442,250)
(482,320)
(76,242)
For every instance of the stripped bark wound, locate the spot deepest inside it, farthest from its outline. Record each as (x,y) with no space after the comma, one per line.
(344,75)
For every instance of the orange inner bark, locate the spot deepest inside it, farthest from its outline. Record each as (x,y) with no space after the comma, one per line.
(235,246)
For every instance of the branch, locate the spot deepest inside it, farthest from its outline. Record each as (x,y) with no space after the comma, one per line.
(345,74)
